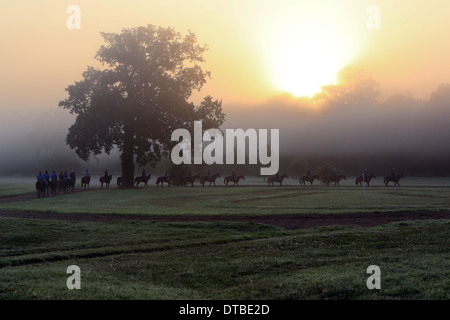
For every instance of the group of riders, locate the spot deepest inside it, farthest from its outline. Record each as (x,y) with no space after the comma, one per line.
(52,182)
(64,180)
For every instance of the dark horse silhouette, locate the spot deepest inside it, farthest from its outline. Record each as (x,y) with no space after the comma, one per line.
(85,182)
(310,179)
(105,180)
(272,180)
(189,179)
(210,179)
(163,179)
(330,179)
(61,186)
(235,181)
(41,189)
(53,187)
(65,185)
(142,179)
(70,185)
(359,180)
(396,179)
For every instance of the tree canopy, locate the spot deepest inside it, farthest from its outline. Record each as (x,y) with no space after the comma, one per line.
(140,97)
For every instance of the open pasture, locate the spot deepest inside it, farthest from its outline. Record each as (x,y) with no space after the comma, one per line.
(253,199)
(137,259)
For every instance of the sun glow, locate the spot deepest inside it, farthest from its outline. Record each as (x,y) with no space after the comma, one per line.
(306,46)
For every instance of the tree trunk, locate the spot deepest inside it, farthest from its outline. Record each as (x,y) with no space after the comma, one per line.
(127,159)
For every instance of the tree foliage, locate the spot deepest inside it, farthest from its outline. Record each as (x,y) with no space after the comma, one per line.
(140,97)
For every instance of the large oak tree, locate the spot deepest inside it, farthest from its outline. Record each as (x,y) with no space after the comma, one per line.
(140,96)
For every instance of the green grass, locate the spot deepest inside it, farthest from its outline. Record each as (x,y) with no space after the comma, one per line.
(153,260)
(148,260)
(242,201)
(15,185)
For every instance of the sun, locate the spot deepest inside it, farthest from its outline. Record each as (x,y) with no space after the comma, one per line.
(303,68)
(306,47)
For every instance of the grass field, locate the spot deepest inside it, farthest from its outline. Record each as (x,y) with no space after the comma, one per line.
(226,260)
(16,185)
(242,201)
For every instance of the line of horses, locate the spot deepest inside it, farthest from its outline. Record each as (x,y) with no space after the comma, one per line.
(234,181)
(55,187)
(358,181)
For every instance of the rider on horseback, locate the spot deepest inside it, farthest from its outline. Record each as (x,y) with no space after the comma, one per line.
(365,176)
(106,174)
(233,174)
(308,174)
(143,173)
(40,177)
(393,175)
(334,176)
(53,176)
(46,177)
(72,175)
(86,174)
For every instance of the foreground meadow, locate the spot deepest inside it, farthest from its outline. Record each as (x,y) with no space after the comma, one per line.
(241,201)
(145,260)
(226,260)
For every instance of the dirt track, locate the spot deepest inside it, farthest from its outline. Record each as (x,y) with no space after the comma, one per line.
(286,221)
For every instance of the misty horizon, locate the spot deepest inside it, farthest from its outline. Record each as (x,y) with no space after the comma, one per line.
(394,130)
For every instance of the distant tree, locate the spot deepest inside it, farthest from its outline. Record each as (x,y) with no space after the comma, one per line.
(297,167)
(136,102)
(325,169)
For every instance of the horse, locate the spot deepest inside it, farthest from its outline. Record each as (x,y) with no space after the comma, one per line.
(85,182)
(210,179)
(61,186)
(332,179)
(189,179)
(235,180)
(272,180)
(310,179)
(105,180)
(359,179)
(64,185)
(163,179)
(41,189)
(143,179)
(53,187)
(70,185)
(396,179)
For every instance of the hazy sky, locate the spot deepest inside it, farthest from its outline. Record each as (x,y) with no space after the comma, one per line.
(252,43)
(261,52)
